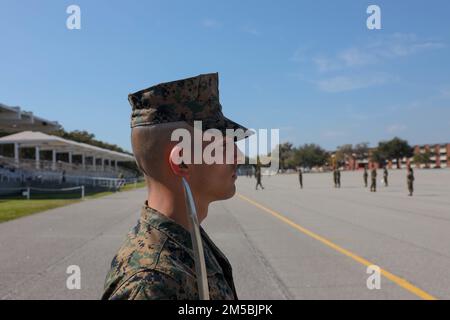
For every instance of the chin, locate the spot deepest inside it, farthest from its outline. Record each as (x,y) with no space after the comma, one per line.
(229,193)
(232,192)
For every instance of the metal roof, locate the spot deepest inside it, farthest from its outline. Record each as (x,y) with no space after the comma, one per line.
(30,139)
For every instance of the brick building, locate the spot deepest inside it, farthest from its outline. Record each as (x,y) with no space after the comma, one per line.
(439,158)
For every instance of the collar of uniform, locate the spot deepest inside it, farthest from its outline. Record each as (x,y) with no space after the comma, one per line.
(180,235)
(173,230)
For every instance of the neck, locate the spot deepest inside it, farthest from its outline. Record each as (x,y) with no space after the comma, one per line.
(171,203)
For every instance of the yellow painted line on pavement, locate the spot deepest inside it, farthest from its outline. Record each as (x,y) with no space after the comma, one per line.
(397,280)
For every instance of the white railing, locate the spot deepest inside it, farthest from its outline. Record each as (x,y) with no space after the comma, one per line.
(8,176)
(94,181)
(45,165)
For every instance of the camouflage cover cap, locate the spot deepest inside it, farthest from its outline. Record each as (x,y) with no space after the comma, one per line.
(189,100)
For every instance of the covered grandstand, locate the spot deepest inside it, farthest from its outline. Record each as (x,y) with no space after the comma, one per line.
(36,158)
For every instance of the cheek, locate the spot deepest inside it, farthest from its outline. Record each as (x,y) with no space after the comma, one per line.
(215,179)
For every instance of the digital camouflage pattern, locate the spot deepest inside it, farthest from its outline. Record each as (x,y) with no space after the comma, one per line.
(337,178)
(385,176)
(189,100)
(365,176)
(373,178)
(156,262)
(410,181)
(373,174)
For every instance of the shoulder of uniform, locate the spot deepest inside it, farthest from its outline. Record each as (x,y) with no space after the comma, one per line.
(176,261)
(149,251)
(151,284)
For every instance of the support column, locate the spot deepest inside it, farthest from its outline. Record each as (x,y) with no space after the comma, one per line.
(94,163)
(37,157)
(103,164)
(437,152)
(53,159)
(16,152)
(70,157)
(115,165)
(83,161)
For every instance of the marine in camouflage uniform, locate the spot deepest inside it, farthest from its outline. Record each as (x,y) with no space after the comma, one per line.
(335,179)
(373,177)
(338,174)
(258,178)
(366,177)
(300,177)
(385,176)
(156,260)
(410,181)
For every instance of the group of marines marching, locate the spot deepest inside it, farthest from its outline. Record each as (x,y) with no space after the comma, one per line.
(337,178)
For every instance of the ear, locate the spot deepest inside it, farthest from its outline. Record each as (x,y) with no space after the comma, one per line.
(176,164)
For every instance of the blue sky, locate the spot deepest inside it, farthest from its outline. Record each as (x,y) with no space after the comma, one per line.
(310,68)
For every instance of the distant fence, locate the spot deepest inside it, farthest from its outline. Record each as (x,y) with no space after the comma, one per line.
(71,188)
(27,192)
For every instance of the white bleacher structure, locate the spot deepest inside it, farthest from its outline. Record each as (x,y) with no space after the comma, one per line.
(83,164)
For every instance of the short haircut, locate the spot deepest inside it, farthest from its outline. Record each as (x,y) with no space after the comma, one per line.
(152,146)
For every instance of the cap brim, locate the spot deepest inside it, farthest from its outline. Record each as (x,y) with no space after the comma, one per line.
(239,132)
(228,128)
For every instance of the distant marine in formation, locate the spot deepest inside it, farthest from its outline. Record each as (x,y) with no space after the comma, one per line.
(365,176)
(373,177)
(337,178)
(300,177)
(410,180)
(385,176)
(258,178)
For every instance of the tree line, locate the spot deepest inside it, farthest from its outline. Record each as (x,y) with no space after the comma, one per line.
(312,155)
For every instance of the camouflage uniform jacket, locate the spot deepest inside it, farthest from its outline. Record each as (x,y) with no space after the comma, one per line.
(373,174)
(156,262)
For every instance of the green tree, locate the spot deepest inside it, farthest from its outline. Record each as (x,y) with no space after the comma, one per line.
(311,155)
(286,153)
(378,157)
(343,152)
(423,158)
(361,150)
(395,149)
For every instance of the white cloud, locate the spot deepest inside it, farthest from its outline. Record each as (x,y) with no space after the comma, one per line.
(379,49)
(356,57)
(400,45)
(349,83)
(325,64)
